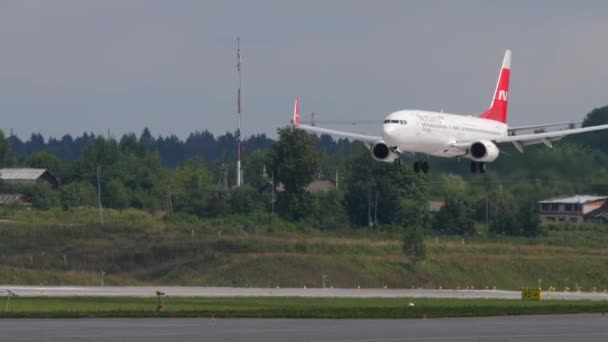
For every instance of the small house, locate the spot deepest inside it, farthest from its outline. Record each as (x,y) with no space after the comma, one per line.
(28,176)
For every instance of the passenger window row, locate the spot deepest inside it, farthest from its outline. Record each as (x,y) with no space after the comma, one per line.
(401,122)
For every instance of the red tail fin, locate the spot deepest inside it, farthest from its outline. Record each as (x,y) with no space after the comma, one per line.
(498,108)
(296,113)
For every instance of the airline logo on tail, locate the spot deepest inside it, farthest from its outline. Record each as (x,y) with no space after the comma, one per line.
(502,95)
(498,107)
(296,113)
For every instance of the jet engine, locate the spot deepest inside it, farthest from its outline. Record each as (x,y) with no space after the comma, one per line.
(483,151)
(382,152)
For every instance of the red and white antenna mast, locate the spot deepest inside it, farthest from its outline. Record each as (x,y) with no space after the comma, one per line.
(239,177)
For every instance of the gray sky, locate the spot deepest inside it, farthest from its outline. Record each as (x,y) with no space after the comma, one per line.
(74,66)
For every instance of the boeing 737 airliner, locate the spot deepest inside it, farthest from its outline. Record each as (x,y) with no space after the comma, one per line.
(427,133)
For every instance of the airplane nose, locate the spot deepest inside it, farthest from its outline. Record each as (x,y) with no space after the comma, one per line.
(388,132)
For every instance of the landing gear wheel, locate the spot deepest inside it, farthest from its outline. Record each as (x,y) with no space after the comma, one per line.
(482,167)
(424,167)
(398,162)
(417,167)
(474,167)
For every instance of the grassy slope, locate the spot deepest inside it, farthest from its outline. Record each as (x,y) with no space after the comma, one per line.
(136,248)
(287,307)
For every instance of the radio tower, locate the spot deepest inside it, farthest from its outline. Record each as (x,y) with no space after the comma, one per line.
(238,131)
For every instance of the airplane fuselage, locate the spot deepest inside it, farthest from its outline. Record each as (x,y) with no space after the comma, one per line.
(433,133)
(478,138)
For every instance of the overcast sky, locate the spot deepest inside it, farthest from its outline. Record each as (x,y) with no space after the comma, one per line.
(74,66)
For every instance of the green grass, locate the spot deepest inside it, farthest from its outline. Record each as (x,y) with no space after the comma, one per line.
(138,248)
(274,307)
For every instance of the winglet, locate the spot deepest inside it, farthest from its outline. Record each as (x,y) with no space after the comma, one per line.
(296,113)
(498,107)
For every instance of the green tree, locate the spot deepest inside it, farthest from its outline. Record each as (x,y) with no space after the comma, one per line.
(600,183)
(144,179)
(43,196)
(135,170)
(7,157)
(130,145)
(188,185)
(216,204)
(596,140)
(396,196)
(254,166)
(146,138)
(331,214)
(449,186)
(115,195)
(413,244)
(245,200)
(78,194)
(529,220)
(294,159)
(98,152)
(46,160)
(296,206)
(455,217)
(504,218)
(295,162)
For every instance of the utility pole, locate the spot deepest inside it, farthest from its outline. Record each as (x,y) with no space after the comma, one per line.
(369,205)
(239,118)
(169,201)
(375,207)
(487,209)
(99,192)
(337,178)
(272,194)
(225,176)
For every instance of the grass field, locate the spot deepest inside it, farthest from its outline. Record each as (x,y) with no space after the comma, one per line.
(264,307)
(137,248)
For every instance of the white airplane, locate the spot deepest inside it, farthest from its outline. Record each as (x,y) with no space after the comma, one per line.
(426,133)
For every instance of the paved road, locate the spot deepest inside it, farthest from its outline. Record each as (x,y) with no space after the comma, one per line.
(179,291)
(580,328)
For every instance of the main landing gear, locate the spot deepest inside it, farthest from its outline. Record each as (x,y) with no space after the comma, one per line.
(478,167)
(421,165)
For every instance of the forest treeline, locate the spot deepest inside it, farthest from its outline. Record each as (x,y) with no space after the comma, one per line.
(194,177)
(171,150)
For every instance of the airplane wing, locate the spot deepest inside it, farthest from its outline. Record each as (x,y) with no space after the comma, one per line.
(521,128)
(514,130)
(368,140)
(543,138)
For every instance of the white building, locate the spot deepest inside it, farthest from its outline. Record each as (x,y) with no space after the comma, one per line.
(575,209)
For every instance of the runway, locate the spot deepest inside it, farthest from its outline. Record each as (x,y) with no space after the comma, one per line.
(179,291)
(582,328)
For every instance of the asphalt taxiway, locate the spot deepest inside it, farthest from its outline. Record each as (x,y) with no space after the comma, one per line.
(185,291)
(580,328)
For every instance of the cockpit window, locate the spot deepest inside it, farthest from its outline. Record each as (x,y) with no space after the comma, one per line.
(403,122)
(387,121)
(394,121)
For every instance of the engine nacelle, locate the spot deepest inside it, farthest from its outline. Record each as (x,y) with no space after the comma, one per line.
(483,151)
(382,152)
